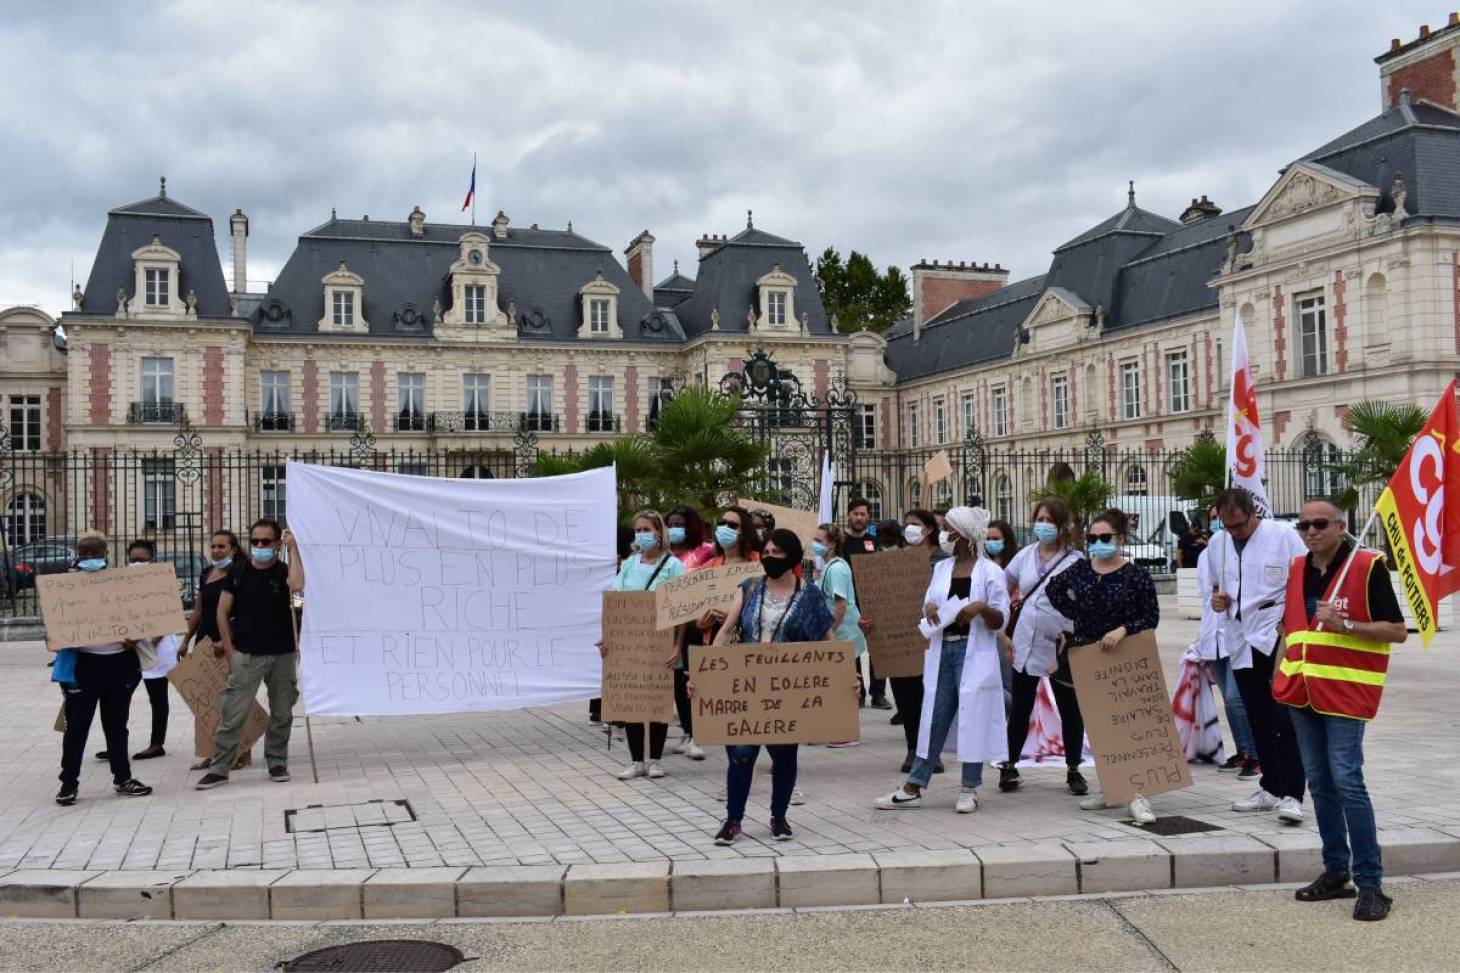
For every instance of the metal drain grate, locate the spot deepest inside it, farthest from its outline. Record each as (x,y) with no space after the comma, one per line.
(367,814)
(378,956)
(1175,824)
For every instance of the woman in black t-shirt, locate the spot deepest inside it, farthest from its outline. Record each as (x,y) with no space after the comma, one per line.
(224,552)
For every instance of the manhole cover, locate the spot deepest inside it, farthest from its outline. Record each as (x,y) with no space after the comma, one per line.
(1175,824)
(378,956)
(324,817)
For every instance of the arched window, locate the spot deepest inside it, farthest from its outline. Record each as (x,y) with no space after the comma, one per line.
(1061,471)
(1320,470)
(476,473)
(872,493)
(915,493)
(25,519)
(1003,498)
(1137,483)
(943,493)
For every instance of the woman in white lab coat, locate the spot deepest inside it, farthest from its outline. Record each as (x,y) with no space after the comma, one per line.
(964,609)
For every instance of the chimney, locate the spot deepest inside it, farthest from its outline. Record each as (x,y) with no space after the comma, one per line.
(1200,209)
(937,285)
(238,227)
(417,220)
(500,224)
(709,243)
(1425,65)
(640,252)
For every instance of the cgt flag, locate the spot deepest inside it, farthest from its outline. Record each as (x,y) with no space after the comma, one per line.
(1422,528)
(1244,427)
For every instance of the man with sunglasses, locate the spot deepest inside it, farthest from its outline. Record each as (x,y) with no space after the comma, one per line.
(256,622)
(1252,555)
(1340,623)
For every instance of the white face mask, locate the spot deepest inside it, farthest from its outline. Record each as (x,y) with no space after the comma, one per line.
(913,534)
(947,543)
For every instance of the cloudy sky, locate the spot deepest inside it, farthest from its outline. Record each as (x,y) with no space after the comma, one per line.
(986,131)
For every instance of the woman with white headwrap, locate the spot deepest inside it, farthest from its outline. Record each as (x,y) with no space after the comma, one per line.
(964,609)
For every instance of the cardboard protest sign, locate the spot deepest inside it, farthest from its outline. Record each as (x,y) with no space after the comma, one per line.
(97,607)
(775,692)
(687,597)
(200,679)
(890,589)
(937,469)
(638,687)
(802,523)
(1128,719)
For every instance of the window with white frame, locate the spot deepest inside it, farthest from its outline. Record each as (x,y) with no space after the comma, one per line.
(1313,331)
(866,431)
(661,390)
(25,423)
(1130,390)
(1178,380)
(1001,410)
(344,400)
(271,492)
(157,384)
(940,421)
(344,309)
(776,308)
(1004,497)
(1059,397)
(600,404)
(969,404)
(159,494)
(476,401)
(781,478)
(914,420)
(872,493)
(598,315)
(1322,474)
(411,401)
(1137,481)
(539,416)
(476,303)
(273,401)
(25,519)
(157,290)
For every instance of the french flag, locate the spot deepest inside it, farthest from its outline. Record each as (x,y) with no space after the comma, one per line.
(471,191)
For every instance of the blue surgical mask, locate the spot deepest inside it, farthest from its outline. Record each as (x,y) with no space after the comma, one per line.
(819,549)
(727,536)
(1215,525)
(1100,550)
(261,553)
(220,565)
(994,548)
(676,535)
(92,564)
(646,540)
(1046,532)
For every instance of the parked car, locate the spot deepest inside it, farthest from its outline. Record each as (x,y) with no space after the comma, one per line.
(45,557)
(189,567)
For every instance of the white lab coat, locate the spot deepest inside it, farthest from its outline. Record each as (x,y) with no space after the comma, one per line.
(1211,642)
(1039,624)
(1256,580)
(981,735)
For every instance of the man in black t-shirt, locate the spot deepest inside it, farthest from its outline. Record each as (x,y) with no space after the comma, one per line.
(256,622)
(859,540)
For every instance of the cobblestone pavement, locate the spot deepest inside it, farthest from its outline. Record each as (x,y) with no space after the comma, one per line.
(537,786)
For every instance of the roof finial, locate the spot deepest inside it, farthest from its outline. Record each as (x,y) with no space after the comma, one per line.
(570,226)
(332,213)
(676,265)
(750,219)
(1130,195)
(163,191)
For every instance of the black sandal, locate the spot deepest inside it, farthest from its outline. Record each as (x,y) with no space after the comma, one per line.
(1324,887)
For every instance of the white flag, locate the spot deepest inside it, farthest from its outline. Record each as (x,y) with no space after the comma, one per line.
(828,479)
(1244,427)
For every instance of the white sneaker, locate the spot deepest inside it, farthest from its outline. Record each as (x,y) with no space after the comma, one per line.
(798,796)
(967,801)
(1289,809)
(654,770)
(693,750)
(899,800)
(635,769)
(1260,801)
(844,746)
(1140,811)
(1096,803)
(678,746)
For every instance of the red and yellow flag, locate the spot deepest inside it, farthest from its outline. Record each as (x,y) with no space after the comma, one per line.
(1420,513)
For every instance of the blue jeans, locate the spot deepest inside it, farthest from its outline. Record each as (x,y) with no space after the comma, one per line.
(1236,709)
(742,769)
(1333,759)
(945,714)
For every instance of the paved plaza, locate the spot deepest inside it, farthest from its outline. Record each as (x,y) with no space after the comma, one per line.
(536,787)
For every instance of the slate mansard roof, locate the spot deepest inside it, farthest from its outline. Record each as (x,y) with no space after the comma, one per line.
(179,227)
(727,276)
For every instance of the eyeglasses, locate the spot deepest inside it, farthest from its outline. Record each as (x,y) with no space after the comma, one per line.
(1317,523)
(732,524)
(261,541)
(1102,538)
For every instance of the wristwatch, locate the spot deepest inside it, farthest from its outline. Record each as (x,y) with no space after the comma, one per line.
(1348,626)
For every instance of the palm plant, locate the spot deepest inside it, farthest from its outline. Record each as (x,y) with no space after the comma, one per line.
(1200,473)
(1385,431)
(1086,495)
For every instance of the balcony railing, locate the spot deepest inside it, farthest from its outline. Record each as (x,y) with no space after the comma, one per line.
(540,422)
(451,423)
(410,422)
(344,422)
(604,422)
(156,413)
(273,422)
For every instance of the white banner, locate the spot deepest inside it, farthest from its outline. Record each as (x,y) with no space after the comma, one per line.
(431,595)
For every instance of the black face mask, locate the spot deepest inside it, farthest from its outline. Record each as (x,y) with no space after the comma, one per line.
(776,566)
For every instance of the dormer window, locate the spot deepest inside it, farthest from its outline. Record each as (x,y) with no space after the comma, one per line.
(474,292)
(777,292)
(344,302)
(600,309)
(476,301)
(157,286)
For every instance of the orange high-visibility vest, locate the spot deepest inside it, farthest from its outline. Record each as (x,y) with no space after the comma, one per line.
(1335,673)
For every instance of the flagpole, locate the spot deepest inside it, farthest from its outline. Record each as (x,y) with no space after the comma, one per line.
(473,189)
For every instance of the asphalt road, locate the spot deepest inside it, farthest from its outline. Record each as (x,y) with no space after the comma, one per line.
(1221,930)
